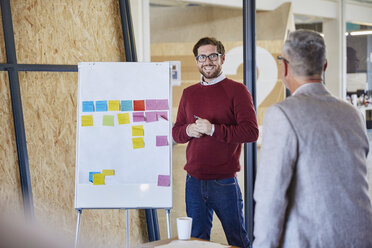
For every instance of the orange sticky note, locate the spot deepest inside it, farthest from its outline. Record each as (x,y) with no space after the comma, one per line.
(139,105)
(114,105)
(98,179)
(123,118)
(86,120)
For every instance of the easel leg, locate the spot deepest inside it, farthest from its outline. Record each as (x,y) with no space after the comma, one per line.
(127,238)
(167,212)
(79,211)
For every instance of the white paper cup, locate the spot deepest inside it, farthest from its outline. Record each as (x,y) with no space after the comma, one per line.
(184,225)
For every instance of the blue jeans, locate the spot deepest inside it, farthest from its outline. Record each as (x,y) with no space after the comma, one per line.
(222,196)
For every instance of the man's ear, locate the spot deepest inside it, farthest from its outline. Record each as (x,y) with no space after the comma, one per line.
(222,59)
(285,69)
(325,65)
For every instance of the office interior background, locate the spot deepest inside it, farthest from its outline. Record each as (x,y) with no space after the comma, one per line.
(67,32)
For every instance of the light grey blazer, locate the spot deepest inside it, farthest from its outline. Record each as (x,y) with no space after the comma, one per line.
(311,188)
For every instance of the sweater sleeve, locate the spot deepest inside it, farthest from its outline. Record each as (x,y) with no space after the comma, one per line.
(179,129)
(245,129)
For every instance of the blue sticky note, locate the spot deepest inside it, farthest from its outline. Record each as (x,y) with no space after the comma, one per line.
(91,175)
(126,105)
(101,105)
(88,106)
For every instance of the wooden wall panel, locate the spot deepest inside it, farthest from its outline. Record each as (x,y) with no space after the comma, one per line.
(59,32)
(2,44)
(67,31)
(10,187)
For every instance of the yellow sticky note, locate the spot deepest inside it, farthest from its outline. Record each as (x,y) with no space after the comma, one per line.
(86,120)
(98,179)
(113,105)
(108,172)
(123,118)
(138,143)
(137,130)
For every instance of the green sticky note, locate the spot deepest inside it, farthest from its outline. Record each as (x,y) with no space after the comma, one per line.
(108,120)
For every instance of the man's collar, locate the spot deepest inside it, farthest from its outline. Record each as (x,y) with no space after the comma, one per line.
(214,81)
(305,86)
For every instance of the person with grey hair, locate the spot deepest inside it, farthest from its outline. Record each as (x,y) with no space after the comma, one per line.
(311,188)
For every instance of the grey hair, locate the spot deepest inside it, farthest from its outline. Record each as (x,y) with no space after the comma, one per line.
(306,52)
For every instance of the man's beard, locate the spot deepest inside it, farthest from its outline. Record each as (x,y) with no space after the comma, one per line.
(215,73)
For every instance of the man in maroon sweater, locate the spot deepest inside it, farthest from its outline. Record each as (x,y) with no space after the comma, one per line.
(215,116)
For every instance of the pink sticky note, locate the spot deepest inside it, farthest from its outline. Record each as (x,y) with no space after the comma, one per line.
(151,116)
(164,180)
(138,116)
(162,104)
(151,105)
(161,140)
(163,115)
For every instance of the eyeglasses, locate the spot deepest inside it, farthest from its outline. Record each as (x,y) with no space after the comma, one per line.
(211,57)
(284,60)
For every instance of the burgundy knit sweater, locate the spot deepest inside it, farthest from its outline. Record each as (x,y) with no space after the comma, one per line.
(228,105)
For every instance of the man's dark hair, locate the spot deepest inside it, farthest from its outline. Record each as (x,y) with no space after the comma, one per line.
(209,41)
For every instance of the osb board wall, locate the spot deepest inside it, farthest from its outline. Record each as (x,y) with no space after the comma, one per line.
(2,44)
(67,31)
(59,32)
(10,187)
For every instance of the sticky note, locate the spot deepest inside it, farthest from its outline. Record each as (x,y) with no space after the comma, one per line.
(101,105)
(114,105)
(138,116)
(138,143)
(151,116)
(139,105)
(151,105)
(108,172)
(88,106)
(91,175)
(98,179)
(162,115)
(161,140)
(108,120)
(86,120)
(161,104)
(137,130)
(164,180)
(126,105)
(123,118)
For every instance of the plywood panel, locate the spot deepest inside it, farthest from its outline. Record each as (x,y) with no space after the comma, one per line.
(2,44)
(67,31)
(10,188)
(59,32)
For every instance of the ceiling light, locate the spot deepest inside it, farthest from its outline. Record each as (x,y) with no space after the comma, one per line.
(366,32)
